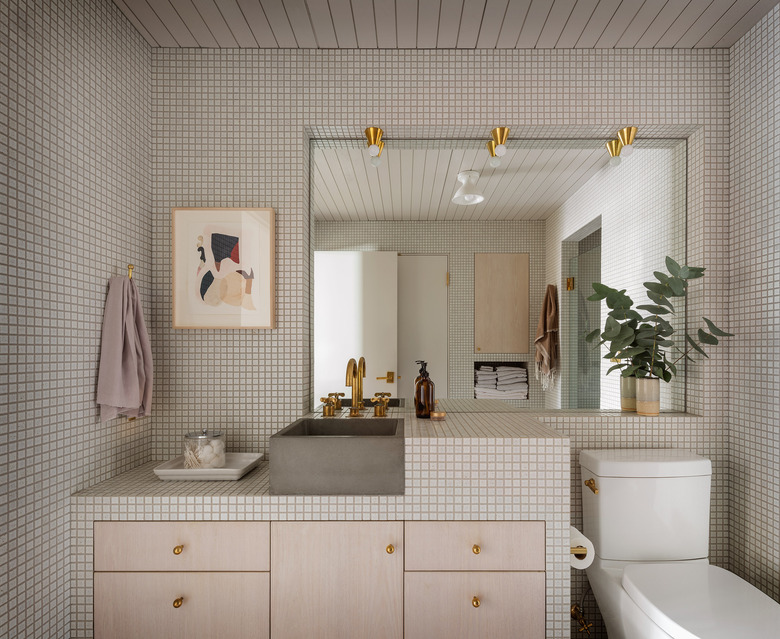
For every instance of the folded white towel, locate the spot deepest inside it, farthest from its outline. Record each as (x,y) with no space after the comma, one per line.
(506,378)
(509,368)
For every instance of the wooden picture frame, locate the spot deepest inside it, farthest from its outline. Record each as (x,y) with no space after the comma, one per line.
(223,267)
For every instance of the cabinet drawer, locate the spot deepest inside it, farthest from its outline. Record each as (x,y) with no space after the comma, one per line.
(475,545)
(213,604)
(201,545)
(441,605)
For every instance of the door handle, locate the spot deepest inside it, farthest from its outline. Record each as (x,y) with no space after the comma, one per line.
(390,377)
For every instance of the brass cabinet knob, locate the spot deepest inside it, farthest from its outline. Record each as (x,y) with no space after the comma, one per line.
(591,483)
(390,549)
(476,602)
(178,602)
(177,550)
(476,549)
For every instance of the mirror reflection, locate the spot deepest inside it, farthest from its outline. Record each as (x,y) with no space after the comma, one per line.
(559,201)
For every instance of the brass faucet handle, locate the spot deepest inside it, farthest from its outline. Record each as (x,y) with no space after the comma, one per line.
(382,394)
(328,406)
(337,397)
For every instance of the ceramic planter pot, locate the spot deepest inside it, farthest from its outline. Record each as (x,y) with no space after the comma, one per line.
(648,396)
(628,393)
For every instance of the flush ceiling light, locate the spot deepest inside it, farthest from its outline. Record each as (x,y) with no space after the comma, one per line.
(626,137)
(500,134)
(467,193)
(614,147)
(494,161)
(375,144)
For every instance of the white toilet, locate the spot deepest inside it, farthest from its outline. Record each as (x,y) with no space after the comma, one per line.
(647,513)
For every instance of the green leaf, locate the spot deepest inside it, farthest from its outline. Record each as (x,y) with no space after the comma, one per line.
(612,368)
(655,310)
(655,287)
(677,285)
(695,346)
(661,277)
(715,330)
(695,272)
(660,299)
(619,300)
(685,273)
(601,291)
(592,335)
(628,353)
(706,338)
(611,328)
(667,376)
(672,266)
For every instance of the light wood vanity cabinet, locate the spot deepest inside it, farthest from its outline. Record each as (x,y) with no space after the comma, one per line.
(181,579)
(339,580)
(474,579)
(327,579)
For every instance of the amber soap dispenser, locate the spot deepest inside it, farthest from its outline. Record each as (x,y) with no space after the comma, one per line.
(424,394)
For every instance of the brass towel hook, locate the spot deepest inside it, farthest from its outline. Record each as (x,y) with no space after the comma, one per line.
(130,268)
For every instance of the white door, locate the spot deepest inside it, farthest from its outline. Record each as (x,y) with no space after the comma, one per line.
(355,311)
(422,320)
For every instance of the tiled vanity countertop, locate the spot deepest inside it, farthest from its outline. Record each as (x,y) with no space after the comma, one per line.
(498,465)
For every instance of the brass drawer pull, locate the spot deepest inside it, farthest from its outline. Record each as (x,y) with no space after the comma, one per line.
(178,602)
(476,549)
(390,549)
(177,550)
(476,602)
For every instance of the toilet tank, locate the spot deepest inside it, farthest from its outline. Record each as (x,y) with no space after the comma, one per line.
(651,505)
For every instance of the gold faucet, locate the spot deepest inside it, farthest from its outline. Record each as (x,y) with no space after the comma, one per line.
(356,371)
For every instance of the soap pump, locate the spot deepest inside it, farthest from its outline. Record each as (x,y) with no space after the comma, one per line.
(423,392)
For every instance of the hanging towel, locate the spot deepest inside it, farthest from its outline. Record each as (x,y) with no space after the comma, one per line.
(125,375)
(546,340)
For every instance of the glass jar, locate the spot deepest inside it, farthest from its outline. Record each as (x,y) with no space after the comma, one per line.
(204,450)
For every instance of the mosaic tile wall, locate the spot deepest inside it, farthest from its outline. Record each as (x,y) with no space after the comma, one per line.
(75,187)
(459,240)
(231,128)
(641,204)
(754,305)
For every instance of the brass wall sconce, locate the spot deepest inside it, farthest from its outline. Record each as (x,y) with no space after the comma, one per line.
(375,144)
(626,137)
(497,146)
(614,147)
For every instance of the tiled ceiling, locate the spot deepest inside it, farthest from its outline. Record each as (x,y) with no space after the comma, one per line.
(416,180)
(444,24)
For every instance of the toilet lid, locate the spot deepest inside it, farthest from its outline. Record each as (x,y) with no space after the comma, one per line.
(700,601)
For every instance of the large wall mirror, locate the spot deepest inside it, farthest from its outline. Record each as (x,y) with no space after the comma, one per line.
(558,200)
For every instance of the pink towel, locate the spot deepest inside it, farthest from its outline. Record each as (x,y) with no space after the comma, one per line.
(125,376)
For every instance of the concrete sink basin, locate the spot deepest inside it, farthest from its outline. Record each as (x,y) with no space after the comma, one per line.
(349,456)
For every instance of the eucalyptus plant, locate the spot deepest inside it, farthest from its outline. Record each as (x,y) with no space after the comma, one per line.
(643,344)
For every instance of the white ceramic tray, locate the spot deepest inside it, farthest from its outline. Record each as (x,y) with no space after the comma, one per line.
(236,466)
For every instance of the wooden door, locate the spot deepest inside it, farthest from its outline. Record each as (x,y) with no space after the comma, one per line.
(129,605)
(501,312)
(337,580)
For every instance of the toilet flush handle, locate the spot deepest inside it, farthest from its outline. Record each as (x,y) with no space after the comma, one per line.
(591,483)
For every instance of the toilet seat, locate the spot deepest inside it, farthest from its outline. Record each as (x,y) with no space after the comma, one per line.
(700,601)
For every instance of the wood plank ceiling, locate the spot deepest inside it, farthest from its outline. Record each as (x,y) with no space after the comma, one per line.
(416,181)
(444,24)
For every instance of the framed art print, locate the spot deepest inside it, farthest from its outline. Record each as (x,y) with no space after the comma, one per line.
(223,268)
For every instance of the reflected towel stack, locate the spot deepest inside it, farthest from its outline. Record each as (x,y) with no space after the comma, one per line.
(501,382)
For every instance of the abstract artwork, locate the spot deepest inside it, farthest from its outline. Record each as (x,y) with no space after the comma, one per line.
(223,268)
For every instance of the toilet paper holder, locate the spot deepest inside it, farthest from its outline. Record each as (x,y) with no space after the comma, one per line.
(580,552)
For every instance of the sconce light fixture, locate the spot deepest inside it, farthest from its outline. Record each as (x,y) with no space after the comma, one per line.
(375,144)
(494,160)
(626,137)
(614,147)
(500,135)
(468,193)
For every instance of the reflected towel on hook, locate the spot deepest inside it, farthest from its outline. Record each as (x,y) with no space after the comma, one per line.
(125,375)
